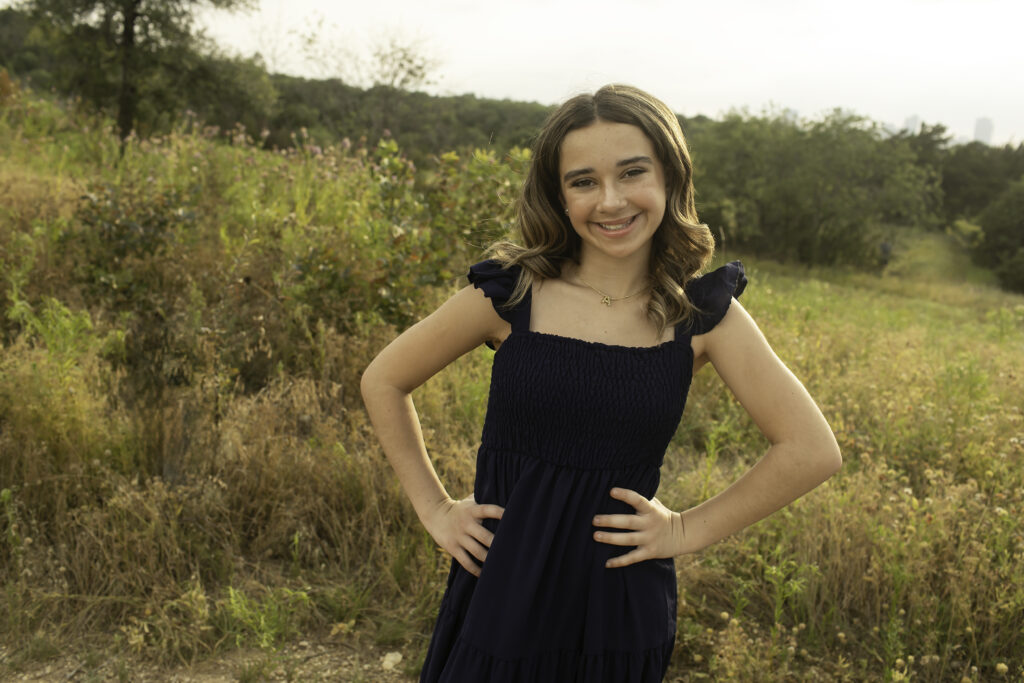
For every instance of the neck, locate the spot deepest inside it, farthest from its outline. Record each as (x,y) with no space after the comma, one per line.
(616,277)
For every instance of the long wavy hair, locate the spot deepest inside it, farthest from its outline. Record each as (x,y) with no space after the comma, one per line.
(543,239)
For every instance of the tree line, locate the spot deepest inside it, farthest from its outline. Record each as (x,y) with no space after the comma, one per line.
(837,189)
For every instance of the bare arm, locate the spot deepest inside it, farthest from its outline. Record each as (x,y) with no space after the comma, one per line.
(462,323)
(803,451)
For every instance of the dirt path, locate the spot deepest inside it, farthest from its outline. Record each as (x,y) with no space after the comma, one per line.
(350,661)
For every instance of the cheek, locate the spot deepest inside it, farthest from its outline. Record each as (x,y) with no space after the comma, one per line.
(577,210)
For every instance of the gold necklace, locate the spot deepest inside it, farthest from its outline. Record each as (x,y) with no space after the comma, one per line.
(607,299)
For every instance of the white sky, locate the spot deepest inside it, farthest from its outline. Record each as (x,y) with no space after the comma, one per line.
(945,61)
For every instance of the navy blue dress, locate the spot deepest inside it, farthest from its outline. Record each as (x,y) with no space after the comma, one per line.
(568,420)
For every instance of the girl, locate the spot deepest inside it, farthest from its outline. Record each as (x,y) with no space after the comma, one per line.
(562,558)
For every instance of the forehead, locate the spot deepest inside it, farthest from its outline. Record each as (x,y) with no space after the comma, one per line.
(603,142)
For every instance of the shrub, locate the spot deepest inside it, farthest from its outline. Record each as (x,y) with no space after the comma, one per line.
(1002,244)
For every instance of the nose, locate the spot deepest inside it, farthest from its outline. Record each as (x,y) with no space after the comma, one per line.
(612,198)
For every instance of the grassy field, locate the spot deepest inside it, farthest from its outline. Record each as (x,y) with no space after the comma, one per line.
(186,468)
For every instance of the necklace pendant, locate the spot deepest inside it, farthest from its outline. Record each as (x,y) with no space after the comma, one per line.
(606,300)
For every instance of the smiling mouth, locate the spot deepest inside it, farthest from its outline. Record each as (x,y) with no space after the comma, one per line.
(617,225)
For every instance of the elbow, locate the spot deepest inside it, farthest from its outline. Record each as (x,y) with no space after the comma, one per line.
(377,385)
(368,382)
(830,458)
(816,458)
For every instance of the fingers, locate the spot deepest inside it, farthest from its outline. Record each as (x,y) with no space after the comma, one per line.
(632,557)
(618,521)
(652,530)
(474,539)
(618,538)
(465,553)
(630,497)
(467,563)
(481,534)
(476,550)
(485,510)
(488,512)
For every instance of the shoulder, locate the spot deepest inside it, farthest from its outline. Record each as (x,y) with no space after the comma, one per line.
(477,310)
(712,293)
(496,280)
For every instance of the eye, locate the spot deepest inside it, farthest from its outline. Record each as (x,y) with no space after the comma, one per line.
(581,182)
(634,172)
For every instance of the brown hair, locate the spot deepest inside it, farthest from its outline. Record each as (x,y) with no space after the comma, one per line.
(543,237)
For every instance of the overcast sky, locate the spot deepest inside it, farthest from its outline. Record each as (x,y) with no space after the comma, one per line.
(945,61)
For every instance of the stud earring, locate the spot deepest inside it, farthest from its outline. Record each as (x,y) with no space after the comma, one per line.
(567,212)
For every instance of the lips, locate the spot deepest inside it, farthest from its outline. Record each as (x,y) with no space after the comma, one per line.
(615,226)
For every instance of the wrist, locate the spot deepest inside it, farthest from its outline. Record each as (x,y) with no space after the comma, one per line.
(690,537)
(678,534)
(428,511)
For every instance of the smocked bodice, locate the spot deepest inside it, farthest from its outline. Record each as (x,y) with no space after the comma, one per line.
(583,404)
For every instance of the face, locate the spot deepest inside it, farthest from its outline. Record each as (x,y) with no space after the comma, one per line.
(614,189)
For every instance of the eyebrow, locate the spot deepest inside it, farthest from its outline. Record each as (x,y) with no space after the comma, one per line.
(625,162)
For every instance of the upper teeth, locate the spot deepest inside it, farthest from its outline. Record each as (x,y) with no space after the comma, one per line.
(617,226)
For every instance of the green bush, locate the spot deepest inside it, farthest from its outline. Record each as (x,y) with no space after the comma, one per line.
(818,192)
(1002,244)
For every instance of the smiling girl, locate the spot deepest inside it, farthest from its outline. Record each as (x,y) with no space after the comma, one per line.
(562,558)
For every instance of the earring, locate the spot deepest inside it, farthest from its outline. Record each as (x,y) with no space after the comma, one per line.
(567,212)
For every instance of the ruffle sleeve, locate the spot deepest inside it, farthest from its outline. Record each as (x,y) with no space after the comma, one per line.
(712,293)
(497,284)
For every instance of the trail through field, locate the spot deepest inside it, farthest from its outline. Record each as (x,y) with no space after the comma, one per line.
(351,661)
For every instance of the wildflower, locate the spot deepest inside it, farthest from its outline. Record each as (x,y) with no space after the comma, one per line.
(1001,669)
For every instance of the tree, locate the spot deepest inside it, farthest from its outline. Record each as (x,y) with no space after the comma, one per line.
(975,174)
(820,192)
(129,35)
(1002,244)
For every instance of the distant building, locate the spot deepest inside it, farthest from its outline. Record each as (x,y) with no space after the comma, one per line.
(892,129)
(913,124)
(983,130)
